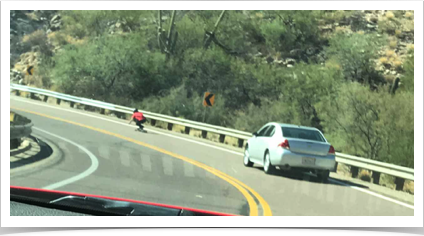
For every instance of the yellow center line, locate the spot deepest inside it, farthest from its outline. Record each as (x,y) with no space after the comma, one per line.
(236,183)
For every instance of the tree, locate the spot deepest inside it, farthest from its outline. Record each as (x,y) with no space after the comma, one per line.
(375,125)
(355,54)
(113,69)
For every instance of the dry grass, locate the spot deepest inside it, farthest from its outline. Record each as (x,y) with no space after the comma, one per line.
(409,15)
(383,60)
(231,141)
(409,187)
(343,169)
(390,15)
(361,32)
(397,64)
(55,88)
(332,64)
(365,175)
(35,36)
(32,16)
(398,32)
(387,181)
(343,29)
(196,133)
(410,47)
(178,128)
(393,44)
(389,78)
(390,53)
(60,39)
(161,124)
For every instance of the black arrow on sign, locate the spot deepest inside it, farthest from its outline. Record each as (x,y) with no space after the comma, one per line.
(207,99)
(29,70)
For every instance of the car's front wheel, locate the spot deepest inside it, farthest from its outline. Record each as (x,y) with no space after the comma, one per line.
(246,158)
(268,167)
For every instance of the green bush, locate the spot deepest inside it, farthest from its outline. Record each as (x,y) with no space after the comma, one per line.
(407,81)
(292,30)
(114,68)
(190,34)
(37,39)
(375,125)
(82,23)
(299,89)
(179,103)
(355,54)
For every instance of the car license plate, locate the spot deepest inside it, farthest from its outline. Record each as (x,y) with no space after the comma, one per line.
(308,161)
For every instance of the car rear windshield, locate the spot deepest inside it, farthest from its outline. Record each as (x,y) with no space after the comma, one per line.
(302,134)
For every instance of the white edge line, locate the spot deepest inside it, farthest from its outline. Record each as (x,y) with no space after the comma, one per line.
(215,147)
(374,194)
(87,172)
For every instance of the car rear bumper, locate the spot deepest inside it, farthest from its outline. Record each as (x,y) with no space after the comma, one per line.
(286,158)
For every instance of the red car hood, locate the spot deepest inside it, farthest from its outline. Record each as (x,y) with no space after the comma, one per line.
(49,195)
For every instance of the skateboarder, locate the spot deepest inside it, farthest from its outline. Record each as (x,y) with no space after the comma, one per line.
(139,119)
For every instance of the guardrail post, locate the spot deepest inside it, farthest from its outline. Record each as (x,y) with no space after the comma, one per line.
(32,95)
(102,111)
(170,126)
(45,98)
(399,183)
(72,104)
(14,143)
(204,133)
(221,138)
(187,130)
(57,101)
(376,177)
(354,170)
(18,93)
(240,142)
(153,122)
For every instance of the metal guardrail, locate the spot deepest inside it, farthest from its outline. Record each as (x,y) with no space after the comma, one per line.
(401,173)
(376,166)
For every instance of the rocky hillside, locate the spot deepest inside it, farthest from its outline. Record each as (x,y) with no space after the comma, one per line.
(347,73)
(33,31)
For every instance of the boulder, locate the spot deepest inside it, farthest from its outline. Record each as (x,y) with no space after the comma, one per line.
(55,19)
(290,61)
(55,23)
(269,59)
(16,76)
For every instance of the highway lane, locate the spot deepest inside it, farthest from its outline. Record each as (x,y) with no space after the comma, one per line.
(285,196)
(127,170)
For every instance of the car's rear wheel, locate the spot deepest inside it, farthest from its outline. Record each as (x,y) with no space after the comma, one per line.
(323,176)
(246,158)
(268,167)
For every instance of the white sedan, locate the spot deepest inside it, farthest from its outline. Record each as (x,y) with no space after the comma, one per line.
(290,147)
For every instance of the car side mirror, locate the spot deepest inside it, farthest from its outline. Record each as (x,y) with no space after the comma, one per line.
(255,134)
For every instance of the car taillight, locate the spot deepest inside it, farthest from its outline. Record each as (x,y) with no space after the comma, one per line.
(331,151)
(285,144)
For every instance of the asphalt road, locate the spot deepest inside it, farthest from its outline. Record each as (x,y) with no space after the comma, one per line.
(165,168)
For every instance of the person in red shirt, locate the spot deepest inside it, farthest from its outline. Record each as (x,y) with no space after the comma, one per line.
(138,118)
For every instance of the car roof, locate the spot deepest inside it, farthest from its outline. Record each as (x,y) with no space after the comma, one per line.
(293,126)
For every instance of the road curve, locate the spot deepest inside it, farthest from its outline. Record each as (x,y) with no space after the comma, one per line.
(164,168)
